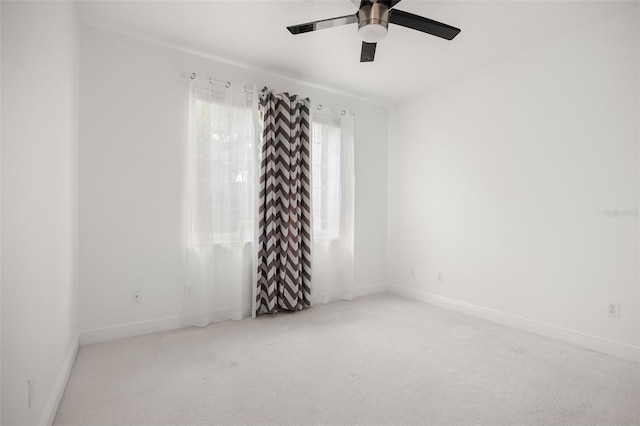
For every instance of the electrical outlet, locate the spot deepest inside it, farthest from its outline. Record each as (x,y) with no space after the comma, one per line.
(440,277)
(136,296)
(412,273)
(614,310)
(31,391)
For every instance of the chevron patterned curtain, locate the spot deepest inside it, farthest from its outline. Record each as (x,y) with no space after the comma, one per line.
(284,212)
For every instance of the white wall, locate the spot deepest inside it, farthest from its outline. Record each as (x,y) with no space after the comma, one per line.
(133,127)
(39,135)
(501,179)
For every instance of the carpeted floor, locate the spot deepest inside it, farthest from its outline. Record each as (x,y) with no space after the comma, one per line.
(380,359)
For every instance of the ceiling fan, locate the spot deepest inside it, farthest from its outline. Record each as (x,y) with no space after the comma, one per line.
(373,18)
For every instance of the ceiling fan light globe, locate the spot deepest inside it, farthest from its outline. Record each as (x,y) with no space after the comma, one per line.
(372,33)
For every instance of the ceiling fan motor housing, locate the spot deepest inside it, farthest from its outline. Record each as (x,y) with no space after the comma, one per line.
(373,20)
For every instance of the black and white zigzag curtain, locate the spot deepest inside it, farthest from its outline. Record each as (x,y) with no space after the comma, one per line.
(284,205)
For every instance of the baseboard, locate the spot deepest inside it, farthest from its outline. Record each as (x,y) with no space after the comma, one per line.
(369,289)
(598,344)
(130,330)
(214,316)
(173,323)
(55,396)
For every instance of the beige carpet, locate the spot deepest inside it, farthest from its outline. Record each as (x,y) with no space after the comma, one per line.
(380,359)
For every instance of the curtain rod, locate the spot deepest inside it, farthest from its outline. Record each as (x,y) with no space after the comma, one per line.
(227,84)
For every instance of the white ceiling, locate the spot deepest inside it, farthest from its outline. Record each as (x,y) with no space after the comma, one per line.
(253,33)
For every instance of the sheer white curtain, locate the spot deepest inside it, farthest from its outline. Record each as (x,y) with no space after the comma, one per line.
(220,203)
(332,276)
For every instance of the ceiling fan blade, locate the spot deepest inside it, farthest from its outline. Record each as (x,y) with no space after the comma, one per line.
(420,23)
(389,3)
(368,52)
(321,25)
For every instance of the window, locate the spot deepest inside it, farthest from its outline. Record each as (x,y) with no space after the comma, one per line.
(222,192)
(223,184)
(326,138)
